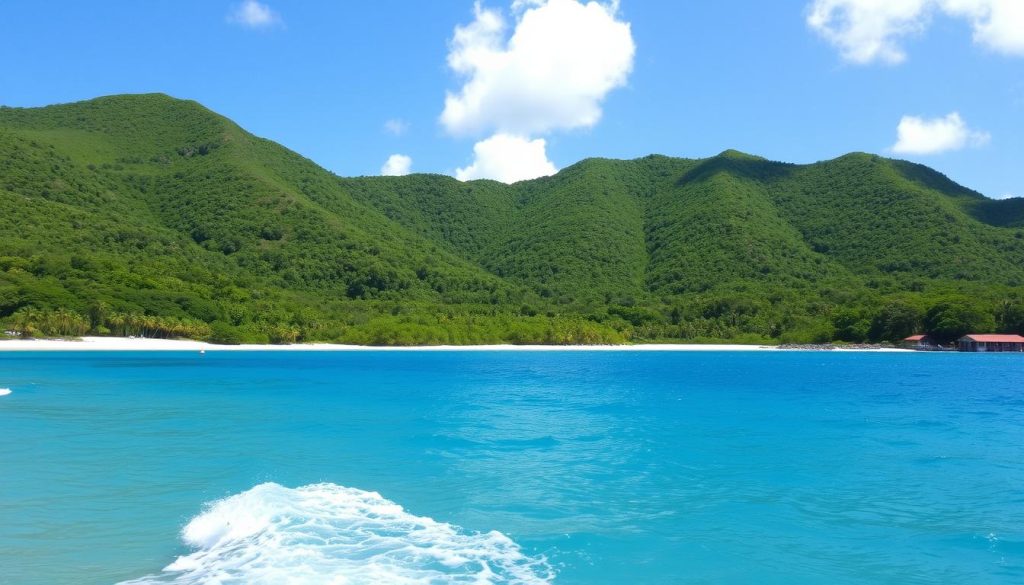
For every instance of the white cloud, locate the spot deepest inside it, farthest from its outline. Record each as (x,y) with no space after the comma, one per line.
(552,73)
(254,14)
(396,126)
(998,24)
(508,158)
(867,31)
(937,135)
(397,165)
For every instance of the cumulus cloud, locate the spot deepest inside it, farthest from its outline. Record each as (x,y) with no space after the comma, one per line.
(933,136)
(396,126)
(998,24)
(552,73)
(508,158)
(253,14)
(397,165)
(549,69)
(867,31)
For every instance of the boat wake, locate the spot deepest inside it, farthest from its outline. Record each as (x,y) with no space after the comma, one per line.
(329,534)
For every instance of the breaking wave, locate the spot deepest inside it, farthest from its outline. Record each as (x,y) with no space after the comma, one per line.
(329,534)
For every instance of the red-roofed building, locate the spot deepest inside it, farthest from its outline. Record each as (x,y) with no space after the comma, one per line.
(919,342)
(976,342)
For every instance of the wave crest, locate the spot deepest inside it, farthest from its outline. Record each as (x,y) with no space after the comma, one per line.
(326,533)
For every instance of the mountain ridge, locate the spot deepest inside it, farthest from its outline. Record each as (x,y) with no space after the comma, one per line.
(149,205)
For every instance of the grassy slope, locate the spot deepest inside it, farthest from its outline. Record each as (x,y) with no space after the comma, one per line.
(159,206)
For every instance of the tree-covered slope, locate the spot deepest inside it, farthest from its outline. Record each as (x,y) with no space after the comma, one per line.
(717,227)
(865,212)
(151,215)
(154,205)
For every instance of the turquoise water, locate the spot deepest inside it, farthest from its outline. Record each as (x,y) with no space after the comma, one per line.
(504,467)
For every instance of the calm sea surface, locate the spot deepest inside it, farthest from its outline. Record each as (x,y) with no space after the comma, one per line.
(507,467)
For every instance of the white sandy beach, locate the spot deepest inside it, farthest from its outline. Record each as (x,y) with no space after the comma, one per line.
(142,344)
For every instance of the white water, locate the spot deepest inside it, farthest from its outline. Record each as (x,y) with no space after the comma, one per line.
(329,534)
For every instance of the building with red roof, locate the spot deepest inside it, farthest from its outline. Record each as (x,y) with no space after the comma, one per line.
(978,342)
(919,342)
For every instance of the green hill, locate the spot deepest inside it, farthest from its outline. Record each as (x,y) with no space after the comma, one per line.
(154,216)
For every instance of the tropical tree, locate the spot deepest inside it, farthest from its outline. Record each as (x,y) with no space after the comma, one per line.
(26,322)
(897,320)
(950,320)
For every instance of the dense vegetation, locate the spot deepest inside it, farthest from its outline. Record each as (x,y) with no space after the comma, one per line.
(150,216)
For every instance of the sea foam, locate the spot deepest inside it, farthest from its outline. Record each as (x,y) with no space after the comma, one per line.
(329,534)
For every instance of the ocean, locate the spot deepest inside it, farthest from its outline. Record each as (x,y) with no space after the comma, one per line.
(506,467)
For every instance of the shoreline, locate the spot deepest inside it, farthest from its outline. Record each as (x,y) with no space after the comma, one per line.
(145,344)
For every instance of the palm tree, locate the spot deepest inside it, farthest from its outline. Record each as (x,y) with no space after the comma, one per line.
(116,322)
(26,321)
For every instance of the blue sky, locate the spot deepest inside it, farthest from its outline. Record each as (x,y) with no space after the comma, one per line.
(792,80)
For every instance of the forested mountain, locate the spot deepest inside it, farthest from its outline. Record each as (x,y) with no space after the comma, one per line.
(148,215)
